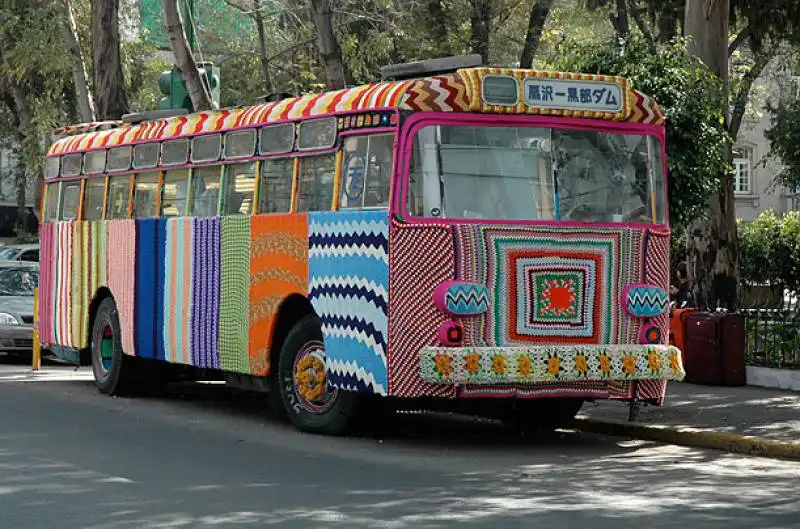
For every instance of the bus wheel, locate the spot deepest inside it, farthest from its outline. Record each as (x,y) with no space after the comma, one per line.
(108,362)
(311,404)
(543,415)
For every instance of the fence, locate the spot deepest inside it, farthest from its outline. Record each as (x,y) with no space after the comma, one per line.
(772,337)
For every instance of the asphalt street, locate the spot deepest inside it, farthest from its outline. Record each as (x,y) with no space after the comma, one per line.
(208,457)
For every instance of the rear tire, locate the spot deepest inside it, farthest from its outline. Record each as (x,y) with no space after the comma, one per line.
(310,403)
(113,370)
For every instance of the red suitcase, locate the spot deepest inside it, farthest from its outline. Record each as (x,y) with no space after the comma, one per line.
(715,349)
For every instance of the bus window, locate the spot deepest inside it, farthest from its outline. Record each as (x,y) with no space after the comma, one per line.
(275,195)
(205,191)
(119,194)
(145,195)
(315,185)
(366,171)
(93,199)
(173,195)
(51,202)
(240,183)
(70,198)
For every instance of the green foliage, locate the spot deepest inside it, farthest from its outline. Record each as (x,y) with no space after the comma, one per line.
(770,250)
(691,99)
(784,137)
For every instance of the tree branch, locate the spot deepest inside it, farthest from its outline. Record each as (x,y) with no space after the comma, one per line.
(739,40)
(638,16)
(760,62)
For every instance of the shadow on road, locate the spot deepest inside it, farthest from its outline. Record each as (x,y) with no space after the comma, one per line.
(205,456)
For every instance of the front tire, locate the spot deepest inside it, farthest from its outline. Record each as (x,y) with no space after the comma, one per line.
(112,369)
(311,404)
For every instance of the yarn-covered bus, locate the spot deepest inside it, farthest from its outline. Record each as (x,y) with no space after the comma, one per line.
(477,236)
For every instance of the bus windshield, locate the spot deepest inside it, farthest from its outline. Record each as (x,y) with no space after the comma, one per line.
(526,173)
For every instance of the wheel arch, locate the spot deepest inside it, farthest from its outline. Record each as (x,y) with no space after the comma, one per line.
(291,310)
(101,294)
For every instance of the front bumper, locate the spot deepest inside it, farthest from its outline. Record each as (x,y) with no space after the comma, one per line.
(550,363)
(16,338)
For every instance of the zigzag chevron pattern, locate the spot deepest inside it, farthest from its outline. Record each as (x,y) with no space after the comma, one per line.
(467,300)
(644,301)
(349,376)
(443,93)
(348,270)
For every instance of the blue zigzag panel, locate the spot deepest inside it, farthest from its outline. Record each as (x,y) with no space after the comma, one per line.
(646,301)
(348,271)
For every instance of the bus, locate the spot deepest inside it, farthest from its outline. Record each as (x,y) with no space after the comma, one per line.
(463,235)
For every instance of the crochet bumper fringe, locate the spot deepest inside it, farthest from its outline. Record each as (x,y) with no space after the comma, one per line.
(502,365)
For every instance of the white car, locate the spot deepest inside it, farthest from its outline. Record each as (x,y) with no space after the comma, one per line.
(17,281)
(20,252)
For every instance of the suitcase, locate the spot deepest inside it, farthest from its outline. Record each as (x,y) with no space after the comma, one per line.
(715,349)
(677,329)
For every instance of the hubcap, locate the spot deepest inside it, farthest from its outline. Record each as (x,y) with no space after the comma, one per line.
(311,381)
(106,339)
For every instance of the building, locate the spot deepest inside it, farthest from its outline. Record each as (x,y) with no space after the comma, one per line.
(754,169)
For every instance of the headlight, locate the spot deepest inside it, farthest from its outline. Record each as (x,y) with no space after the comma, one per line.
(8,319)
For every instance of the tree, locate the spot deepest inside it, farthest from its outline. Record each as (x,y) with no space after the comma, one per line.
(336,72)
(536,23)
(481,27)
(109,82)
(83,95)
(184,58)
(689,96)
(784,137)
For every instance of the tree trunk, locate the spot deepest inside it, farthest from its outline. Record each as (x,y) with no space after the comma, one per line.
(109,84)
(620,19)
(481,25)
(184,60)
(536,23)
(336,73)
(438,26)
(83,96)
(712,245)
(262,46)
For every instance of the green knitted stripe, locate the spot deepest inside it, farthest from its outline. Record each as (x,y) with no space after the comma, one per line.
(235,294)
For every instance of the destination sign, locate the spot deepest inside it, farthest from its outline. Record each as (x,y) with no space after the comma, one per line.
(568,94)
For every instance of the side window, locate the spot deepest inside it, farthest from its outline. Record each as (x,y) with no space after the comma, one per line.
(275,195)
(30,255)
(315,184)
(51,202)
(70,198)
(145,195)
(240,183)
(93,198)
(366,171)
(119,194)
(205,191)
(173,195)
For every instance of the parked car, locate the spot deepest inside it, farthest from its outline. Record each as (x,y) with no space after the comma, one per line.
(20,252)
(17,281)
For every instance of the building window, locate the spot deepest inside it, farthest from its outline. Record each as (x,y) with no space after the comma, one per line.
(742,170)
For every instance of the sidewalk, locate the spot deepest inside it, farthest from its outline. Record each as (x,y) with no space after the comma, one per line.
(740,419)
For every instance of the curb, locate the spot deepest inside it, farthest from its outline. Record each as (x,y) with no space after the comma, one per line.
(728,442)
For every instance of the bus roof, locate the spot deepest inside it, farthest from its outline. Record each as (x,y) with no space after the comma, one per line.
(484,89)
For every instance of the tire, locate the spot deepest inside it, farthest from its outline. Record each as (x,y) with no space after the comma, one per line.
(311,405)
(113,371)
(543,415)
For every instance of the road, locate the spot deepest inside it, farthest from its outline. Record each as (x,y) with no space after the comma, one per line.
(211,458)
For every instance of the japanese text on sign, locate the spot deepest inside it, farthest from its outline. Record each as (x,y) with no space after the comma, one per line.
(573,95)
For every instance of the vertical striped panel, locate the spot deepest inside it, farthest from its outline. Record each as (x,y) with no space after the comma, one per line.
(205,292)
(235,279)
(83,279)
(47,280)
(146,279)
(161,240)
(121,275)
(177,290)
(278,269)
(63,294)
